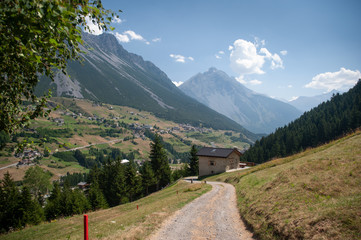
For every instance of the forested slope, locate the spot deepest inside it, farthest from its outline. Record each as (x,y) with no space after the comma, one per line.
(326,122)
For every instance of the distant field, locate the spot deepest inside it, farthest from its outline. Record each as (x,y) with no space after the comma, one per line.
(121,222)
(312,195)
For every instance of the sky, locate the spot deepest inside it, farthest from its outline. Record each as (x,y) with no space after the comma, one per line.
(282,48)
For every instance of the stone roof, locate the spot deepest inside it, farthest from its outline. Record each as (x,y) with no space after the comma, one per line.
(217,152)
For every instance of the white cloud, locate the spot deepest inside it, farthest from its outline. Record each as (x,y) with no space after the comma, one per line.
(284,52)
(218,55)
(133,35)
(255,82)
(156,40)
(276,61)
(122,37)
(93,27)
(178,83)
(290,86)
(180,58)
(341,80)
(246,59)
(259,42)
(129,35)
(293,98)
(117,20)
(241,80)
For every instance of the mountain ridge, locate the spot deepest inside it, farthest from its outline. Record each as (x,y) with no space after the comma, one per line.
(127,79)
(254,111)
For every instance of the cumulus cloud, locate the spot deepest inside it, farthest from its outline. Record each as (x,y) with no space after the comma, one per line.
(276,61)
(93,27)
(255,82)
(129,35)
(133,35)
(178,83)
(341,80)
(246,58)
(180,58)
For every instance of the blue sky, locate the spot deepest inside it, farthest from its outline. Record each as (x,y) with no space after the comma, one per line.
(280,48)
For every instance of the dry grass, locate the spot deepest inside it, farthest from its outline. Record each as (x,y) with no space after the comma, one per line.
(122,222)
(312,195)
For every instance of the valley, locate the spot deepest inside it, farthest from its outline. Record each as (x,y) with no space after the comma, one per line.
(87,125)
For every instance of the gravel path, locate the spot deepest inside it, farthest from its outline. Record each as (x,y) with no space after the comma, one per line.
(214,215)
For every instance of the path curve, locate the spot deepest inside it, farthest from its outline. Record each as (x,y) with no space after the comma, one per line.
(214,215)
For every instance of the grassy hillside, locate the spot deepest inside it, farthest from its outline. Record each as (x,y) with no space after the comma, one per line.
(315,194)
(121,222)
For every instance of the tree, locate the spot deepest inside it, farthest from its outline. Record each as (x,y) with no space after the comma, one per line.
(96,198)
(32,212)
(39,38)
(148,178)
(133,182)
(38,181)
(4,139)
(53,207)
(9,204)
(193,162)
(159,162)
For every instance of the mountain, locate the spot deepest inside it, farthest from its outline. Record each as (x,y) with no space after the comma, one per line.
(307,103)
(110,74)
(256,112)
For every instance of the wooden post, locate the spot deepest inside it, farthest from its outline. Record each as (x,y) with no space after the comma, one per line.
(86,236)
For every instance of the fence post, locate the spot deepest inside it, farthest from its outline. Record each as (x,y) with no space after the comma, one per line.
(86,236)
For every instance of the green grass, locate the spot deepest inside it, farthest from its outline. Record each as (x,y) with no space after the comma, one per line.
(121,222)
(312,195)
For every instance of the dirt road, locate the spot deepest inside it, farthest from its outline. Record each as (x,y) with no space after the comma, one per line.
(211,216)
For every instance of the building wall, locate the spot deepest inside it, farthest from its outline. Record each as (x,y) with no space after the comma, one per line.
(213,165)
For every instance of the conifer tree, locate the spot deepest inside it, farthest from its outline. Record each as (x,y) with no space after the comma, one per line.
(193,162)
(159,162)
(96,197)
(133,182)
(53,209)
(9,204)
(148,178)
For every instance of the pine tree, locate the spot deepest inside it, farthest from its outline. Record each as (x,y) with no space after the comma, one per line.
(148,178)
(11,215)
(133,182)
(53,209)
(193,162)
(159,162)
(33,213)
(96,197)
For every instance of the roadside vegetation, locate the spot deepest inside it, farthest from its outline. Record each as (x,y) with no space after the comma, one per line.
(314,194)
(121,222)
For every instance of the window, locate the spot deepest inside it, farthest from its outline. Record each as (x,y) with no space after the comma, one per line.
(212,163)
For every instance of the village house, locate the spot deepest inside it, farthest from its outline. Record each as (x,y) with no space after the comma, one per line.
(217,160)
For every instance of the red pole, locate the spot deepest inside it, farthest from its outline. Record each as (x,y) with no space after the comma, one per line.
(86,236)
(137,207)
